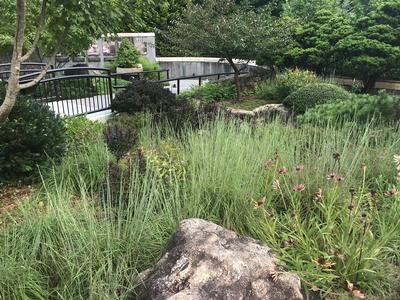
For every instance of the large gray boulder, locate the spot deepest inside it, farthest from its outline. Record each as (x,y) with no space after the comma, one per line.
(205,261)
(265,112)
(272,110)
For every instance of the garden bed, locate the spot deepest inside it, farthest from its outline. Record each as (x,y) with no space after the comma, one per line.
(247,103)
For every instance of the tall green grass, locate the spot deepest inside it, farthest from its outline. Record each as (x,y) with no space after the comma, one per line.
(70,243)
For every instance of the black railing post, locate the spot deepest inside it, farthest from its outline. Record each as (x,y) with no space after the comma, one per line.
(159,75)
(199,80)
(178,86)
(110,89)
(168,74)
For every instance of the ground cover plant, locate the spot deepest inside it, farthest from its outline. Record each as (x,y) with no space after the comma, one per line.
(361,108)
(325,199)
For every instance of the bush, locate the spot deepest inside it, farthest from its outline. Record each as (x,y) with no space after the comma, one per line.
(186,113)
(267,90)
(128,55)
(314,94)
(120,138)
(165,158)
(285,84)
(143,96)
(292,80)
(31,135)
(361,108)
(81,131)
(150,66)
(136,121)
(211,92)
(152,98)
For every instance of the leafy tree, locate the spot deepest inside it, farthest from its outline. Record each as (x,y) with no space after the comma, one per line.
(373,49)
(68,26)
(315,41)
(153,16)
(226,30)
(306,9)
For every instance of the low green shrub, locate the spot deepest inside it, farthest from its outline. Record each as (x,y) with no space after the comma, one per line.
(81,131)
(29,138)
(150,66)
(165,158)
(292,80)
(211,92)
(361,108)
(313,94)
(143,96)
(267,90)
(285,84)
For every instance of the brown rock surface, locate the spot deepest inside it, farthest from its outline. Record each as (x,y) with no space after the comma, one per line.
(206,261)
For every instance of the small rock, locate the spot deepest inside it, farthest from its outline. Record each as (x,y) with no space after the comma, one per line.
(240,112)
(205,261)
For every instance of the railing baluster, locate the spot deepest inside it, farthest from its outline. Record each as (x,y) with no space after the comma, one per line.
(110,93)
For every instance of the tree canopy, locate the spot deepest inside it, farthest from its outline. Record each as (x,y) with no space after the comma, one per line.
(226,30)
(373,49)
(316,39)
(70,26)
(60,26)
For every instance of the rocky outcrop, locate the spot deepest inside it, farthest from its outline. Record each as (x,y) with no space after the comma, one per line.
(266,112)
(205,261)
(271,111)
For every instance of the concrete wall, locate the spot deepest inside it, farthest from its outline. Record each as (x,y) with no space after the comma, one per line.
(389,85)
(190,66)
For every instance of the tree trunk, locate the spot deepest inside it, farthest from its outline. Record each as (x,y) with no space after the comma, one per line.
(236,77)
(369,84)
(13,87)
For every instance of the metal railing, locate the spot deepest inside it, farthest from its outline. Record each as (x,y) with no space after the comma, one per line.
(199,78)
(26,68)
(73,91)
(140,75)
(84,90)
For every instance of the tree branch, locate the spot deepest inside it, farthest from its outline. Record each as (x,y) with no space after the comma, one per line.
(38,78)
(39,31)
(244,66)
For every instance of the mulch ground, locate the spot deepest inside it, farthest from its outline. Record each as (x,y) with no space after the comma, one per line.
(11,197)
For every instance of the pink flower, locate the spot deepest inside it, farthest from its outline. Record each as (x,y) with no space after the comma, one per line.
(318,195)
(282,170)
(299,187)
(392,192)
(298,168)
(339,178)
(331,176)
(268,163)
